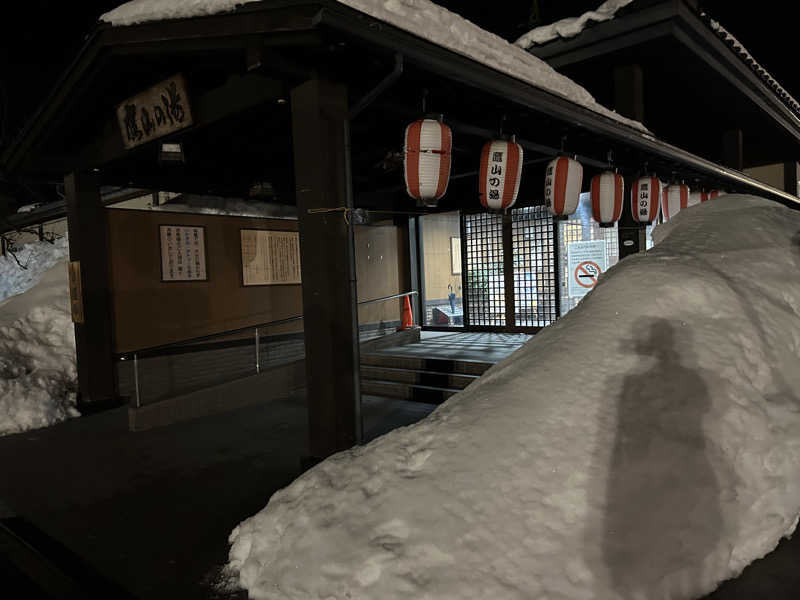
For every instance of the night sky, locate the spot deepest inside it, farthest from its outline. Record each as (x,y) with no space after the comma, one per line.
(41,38)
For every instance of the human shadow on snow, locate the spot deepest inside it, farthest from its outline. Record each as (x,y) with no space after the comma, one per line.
(662,510)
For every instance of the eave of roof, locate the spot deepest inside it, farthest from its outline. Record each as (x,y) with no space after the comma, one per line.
(674,18)
(425,54)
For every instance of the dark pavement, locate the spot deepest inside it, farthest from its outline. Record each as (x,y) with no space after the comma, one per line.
(146,515)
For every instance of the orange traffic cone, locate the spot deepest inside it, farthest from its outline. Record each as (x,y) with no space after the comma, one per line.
(407,321)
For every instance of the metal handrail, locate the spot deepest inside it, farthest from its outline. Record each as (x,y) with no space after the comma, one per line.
(135,355)
(202,338)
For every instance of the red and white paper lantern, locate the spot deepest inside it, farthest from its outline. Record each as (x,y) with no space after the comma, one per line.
(697,198)
(674,198)
(427,155)
(562,186)
(607,193)
(645,199)
(501,170)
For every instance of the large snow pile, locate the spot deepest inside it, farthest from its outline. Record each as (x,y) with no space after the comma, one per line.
(35,258)
(420,17)
(647,445)
(37,346)
(571,26)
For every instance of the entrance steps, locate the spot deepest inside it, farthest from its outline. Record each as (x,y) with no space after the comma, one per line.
(415,378)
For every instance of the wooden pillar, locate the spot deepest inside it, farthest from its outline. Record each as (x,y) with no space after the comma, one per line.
(86,223)
(791,178)
(508,271)
(629,91)
(414,271)
(733,149)
(321,165)
(629,232)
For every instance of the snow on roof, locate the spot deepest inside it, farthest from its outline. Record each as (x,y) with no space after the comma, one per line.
(739,48)
(571,26)
(647,445)
(142,11)
(419,17)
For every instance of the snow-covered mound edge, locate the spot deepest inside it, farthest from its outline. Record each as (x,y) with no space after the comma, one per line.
(669,469)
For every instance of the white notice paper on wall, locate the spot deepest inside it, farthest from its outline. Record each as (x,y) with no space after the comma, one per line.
(585,260)
(270,257)
(183,253)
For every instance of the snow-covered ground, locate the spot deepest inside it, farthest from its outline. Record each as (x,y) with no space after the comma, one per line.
(645,446)
(420,17)
(571,26)
(37,340)
(36,258)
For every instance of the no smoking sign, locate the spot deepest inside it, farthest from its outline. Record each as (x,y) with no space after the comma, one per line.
(586,261)
(586,274)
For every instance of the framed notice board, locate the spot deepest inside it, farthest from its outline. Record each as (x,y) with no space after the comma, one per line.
(270,257)
(183,253)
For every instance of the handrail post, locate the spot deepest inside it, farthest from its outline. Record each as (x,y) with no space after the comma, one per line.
(258,357)
(136,379)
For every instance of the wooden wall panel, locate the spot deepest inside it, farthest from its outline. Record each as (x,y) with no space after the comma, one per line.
(378,272)
(147,312)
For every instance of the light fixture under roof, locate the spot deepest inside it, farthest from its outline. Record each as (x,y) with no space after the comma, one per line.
(171,153)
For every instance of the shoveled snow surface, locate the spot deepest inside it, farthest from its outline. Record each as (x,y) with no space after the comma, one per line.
(420,17)
(571,26)
(37,346)
(647,445)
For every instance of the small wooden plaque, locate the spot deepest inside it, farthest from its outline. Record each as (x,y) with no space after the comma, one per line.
(75,291)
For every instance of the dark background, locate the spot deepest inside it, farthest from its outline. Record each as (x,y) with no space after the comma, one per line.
(39,38)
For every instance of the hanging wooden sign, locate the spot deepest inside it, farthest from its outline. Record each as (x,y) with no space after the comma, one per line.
(154,113)
(75,291)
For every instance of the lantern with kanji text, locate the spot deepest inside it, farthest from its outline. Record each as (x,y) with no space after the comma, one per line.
(562,186)
(645,199)
(500,173)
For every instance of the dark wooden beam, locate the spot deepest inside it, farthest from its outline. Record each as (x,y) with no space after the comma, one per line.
(319,121)
(733,149)
(239,93)
(791,177)
(86,222)
(629,92)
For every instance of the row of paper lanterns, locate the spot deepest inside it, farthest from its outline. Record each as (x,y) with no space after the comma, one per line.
(428,155)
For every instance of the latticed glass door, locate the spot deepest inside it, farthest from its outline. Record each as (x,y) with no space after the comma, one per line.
(535,284)
(485,281)
(511,267)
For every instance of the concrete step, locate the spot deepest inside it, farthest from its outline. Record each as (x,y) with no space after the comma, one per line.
(428,378)
(406,391)
(418,363)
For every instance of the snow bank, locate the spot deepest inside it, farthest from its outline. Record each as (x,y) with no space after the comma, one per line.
(571,26)
(37,342)
(37,257)
(420,17)
(647,445)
